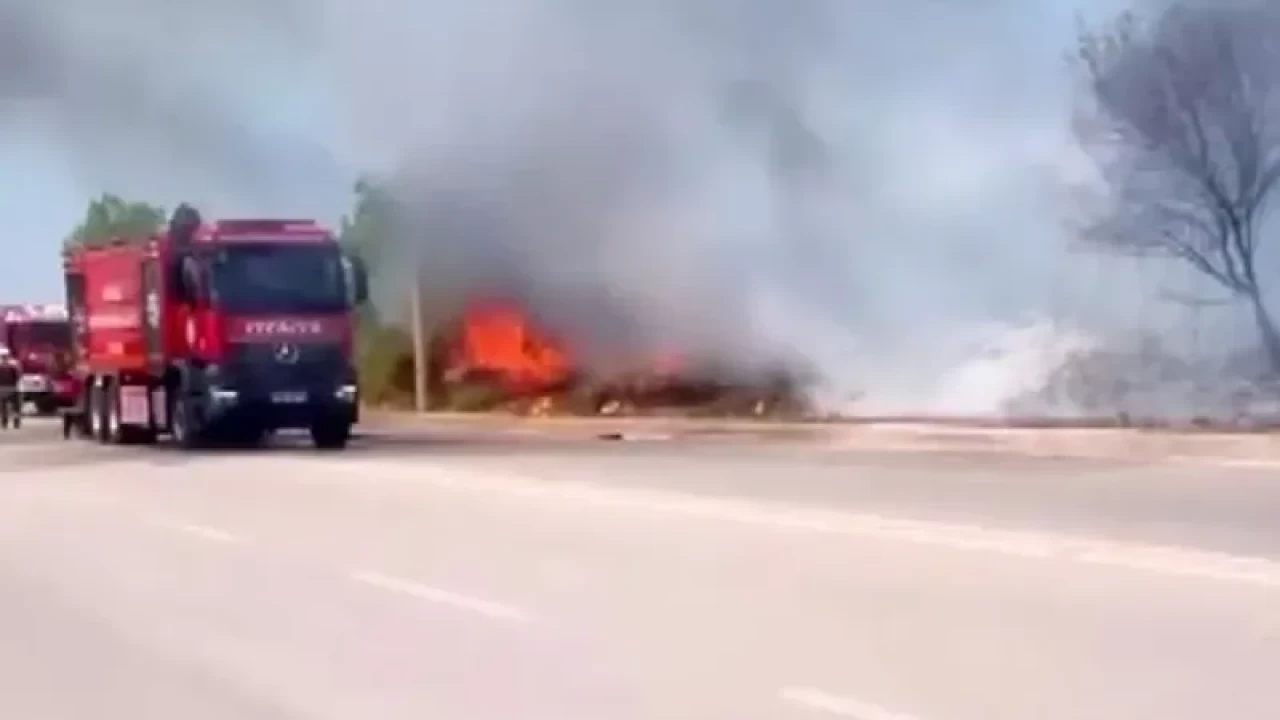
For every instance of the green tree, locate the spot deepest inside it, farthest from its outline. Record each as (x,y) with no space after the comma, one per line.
(363,232)
(384,352)
(110,216)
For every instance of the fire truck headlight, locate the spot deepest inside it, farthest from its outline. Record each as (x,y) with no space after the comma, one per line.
(223,395)
(346,393)
(219,394)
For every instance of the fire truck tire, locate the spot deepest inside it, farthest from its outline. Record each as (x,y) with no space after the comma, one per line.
(102,413)
(184,428)
(89,418)
(114,430)
(330,435)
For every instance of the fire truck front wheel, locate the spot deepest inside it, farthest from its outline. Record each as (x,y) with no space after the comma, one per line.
(185,423)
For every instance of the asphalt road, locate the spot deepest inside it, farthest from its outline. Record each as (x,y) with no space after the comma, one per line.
(469,575)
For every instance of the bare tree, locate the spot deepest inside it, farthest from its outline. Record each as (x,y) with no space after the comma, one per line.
(1184,120)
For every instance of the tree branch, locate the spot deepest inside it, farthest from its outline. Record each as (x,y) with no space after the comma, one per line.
(1185,154)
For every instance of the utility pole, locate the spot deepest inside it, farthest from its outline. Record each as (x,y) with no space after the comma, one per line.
(419,343)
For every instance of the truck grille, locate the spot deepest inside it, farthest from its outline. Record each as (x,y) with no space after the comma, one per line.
(259,368)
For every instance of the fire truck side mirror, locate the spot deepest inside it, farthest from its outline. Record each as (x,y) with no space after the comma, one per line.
(358,276)
(190,282)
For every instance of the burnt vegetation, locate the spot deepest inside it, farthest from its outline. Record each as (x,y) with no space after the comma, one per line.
(1183,117)
(505,363)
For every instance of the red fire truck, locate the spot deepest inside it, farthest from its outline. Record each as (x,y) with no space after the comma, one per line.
(216,332)
(39,337)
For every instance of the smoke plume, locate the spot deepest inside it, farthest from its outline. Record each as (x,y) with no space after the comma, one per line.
(850,186)
(156,100)
(876,192)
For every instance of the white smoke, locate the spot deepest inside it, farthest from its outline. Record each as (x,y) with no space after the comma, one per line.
(1010,364)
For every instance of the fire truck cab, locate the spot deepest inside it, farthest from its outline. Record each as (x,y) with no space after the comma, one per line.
(216,332)
(39,337)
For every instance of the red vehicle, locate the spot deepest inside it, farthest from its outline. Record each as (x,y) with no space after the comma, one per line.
(39,336)
(223,331)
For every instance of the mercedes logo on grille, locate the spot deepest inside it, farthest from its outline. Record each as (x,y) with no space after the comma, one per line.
(287,354)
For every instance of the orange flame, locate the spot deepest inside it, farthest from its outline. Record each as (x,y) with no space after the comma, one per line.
(498,338)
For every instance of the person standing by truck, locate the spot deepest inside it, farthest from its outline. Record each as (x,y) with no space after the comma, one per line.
(10,398)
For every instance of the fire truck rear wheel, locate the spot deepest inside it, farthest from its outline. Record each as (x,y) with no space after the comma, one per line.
(111,427)
(115,428)
(89,408)
(103,412)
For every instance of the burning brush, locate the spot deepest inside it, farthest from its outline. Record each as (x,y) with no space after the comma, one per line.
(496,358)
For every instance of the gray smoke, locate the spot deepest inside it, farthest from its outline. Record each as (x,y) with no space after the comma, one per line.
(855,185)
(146,98)
(880,191)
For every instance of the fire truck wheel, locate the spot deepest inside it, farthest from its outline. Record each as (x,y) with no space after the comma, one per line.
(112,429)
(90,411)
(103,414)
(185,433)
(114,425)
(330,435)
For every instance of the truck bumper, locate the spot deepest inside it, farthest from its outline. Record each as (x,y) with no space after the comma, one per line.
(32,384)
(43,402)
(284,411)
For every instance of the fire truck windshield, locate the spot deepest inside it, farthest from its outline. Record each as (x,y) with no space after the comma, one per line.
(40,335)
(279,277)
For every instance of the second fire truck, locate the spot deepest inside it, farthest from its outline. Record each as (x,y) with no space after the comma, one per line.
(39,337)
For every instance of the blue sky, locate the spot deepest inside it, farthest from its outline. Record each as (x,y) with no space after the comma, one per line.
(38,201)
(44,197)
(265,125)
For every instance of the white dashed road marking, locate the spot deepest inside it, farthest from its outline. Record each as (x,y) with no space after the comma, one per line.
(479,606)
(1243,463)
(203,532)
(823,702)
